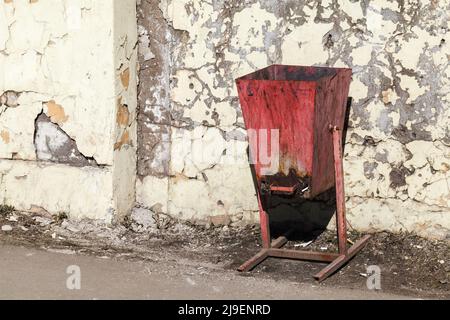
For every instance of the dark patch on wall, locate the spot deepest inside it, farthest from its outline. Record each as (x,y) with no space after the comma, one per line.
(154,117)
(10,99)
(369,168)
(54,145)
(397,176)
(404,135)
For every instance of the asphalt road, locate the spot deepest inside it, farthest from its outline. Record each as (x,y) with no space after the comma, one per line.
(38,274)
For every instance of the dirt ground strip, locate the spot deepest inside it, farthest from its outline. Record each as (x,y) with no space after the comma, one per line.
(409,265)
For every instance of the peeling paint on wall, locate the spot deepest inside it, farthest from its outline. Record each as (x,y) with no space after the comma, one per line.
(39,67)
(398,141)
(53,144)
(68,98)
(64,64)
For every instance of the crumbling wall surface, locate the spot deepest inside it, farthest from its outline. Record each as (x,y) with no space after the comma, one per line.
(397,155)
(64,68)
(124,52)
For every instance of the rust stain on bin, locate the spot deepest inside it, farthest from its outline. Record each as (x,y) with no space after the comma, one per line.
(300,102)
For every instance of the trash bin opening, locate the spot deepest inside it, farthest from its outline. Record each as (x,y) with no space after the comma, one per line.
(291,73)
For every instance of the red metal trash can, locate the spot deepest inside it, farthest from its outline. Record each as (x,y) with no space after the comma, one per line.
(299,113)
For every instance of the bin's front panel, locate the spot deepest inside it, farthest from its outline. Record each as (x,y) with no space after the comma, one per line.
(289,107)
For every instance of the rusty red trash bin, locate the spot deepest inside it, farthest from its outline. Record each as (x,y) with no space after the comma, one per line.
(294,117)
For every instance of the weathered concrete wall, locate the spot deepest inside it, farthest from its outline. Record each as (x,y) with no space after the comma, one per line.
(397,157)
(68,110)
(67,105)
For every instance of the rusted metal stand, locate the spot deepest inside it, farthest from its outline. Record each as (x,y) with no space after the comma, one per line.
(336,260)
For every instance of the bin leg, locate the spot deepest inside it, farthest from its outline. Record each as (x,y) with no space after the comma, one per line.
(262,255)
(341,222)
(335,260)
(266,240)
(264,223)
(341,260)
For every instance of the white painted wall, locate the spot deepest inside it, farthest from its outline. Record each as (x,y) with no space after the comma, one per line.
(68,59)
